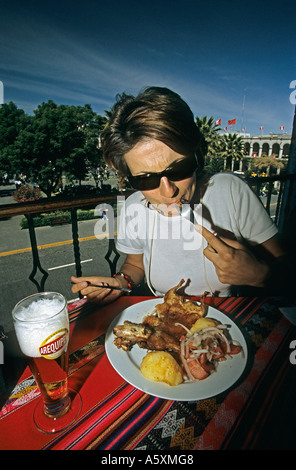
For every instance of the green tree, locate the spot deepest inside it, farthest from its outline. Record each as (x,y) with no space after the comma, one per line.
(57,140)
(49,145)
(232,149)
(91,124)
(12,121)
(209,130)
(266,162)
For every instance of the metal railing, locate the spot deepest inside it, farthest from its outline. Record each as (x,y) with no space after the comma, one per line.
(29,209)
(273,185)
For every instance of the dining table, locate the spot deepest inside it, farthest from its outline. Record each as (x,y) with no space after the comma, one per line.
(116,415)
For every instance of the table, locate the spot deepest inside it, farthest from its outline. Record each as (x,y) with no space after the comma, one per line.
(117,416)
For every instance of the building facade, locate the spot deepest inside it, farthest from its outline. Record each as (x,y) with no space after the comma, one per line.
(273,144)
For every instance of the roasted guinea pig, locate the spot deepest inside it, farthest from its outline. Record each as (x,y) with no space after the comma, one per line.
(162,329)
(146,337)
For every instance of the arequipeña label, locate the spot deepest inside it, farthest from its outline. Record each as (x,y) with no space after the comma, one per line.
(53,346)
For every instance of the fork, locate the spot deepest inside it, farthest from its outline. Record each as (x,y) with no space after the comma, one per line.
(122,289)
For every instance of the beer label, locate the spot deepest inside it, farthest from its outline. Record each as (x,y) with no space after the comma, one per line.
(53,346)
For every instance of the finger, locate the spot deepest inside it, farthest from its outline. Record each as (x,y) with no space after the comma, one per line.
(78,287)
(78,284)
(78,280)
(211,237)
(233,243)
(219,243)
(101,295)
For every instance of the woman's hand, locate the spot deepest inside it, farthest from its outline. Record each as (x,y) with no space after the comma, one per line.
(95,294)
(234,263)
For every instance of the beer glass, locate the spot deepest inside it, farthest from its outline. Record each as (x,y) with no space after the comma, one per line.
(42,328)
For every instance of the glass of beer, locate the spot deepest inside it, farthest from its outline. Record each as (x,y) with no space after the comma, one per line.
(41,324)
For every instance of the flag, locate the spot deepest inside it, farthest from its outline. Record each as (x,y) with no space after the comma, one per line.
(231,122)
(261,128)
(217,123)
(225,128)
(243,129)
(282,128)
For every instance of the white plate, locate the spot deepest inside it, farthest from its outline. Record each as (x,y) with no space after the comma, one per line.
(128,363)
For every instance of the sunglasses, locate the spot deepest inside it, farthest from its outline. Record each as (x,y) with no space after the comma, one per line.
(178,171)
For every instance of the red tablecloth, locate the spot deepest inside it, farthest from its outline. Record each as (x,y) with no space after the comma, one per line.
(115,415)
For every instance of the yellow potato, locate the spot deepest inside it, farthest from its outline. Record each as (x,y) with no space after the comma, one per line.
(160,366)
(202,323)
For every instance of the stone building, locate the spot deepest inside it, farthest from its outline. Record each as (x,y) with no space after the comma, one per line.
(277,145)
(272,144)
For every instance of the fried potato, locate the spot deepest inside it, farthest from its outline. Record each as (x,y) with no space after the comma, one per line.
(202,323)
(160,366)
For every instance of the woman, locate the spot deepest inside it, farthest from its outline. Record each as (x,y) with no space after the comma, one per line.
(152,139)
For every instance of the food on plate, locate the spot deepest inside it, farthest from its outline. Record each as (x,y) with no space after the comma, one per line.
(202,350)
(161,330)
(160,366)
(145,336)
(176,309)
(203,323)
(175,303)
(182,340)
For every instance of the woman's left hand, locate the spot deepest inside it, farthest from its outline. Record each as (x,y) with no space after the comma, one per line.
(234,263)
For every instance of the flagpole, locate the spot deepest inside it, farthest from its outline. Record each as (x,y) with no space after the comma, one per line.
(243,112)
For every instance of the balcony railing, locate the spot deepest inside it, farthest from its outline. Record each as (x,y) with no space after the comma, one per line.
(272,184)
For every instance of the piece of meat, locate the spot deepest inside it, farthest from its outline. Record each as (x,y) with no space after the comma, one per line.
(176,311)
(168,325)
(130,333)
(175,301)
(162,329)
(162,341)
(145,336)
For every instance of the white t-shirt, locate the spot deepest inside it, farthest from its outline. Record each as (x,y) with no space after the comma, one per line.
(172,249)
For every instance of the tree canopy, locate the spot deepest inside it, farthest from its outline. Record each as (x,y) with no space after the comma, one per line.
(55,140)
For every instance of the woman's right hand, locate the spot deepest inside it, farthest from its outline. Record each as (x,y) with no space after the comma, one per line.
(96,294)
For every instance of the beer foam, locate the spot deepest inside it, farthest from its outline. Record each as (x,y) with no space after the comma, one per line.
(37,322)
(40,310)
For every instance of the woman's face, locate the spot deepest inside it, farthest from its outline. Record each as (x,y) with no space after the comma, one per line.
(153,156)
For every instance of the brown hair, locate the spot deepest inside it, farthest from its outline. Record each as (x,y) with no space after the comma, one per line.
(156,113)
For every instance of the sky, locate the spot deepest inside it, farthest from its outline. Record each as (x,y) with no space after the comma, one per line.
(227,59)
